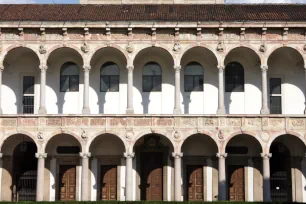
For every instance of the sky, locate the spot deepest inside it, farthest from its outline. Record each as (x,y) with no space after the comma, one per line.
(76,1)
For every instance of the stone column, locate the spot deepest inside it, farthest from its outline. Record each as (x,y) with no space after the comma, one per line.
(221,107)
(177,98)
(1,71)
(42,104)
(304,86)
(84,185)
(129,176)
(177,176)
(40,176)
(130,108)
(1,165)
(264,90)
(86,109)
(266,176)
(222,176)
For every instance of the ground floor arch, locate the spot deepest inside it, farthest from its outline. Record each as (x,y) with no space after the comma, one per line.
(286,168)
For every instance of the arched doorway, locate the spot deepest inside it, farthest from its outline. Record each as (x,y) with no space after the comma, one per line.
(286,169)
(154,167)
(199,168)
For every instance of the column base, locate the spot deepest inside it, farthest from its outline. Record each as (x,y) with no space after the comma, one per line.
(129,111)
(221,111)
(1,111)
(42,111)
(86,111)
(265,111)
(177,111)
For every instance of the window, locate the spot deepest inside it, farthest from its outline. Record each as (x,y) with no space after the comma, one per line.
(109,77)
(193,77)
(28,94)
(234,77)
(152,77)
(69,77)
(275,95)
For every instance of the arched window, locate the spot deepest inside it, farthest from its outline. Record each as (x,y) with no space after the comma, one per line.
(69,77)
(152,77)
(109,77)
(193,77)
(234,77)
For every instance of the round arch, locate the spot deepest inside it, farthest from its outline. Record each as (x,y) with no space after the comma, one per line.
(205,47)
(101,134)
(249,47)
(296,49)
(238,133)
(115,47)
(66,132)
(71,47)
(291,133)
(21,132)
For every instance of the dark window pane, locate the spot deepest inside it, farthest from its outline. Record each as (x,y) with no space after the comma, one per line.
(275,86)
(156,83)
(28,104)
(114,83)
(28,84)
(104,83)
(74,83)
(147,83)
(68,149)
(234,77)
(198,83)
(188,83)
(276,104)
(64,83)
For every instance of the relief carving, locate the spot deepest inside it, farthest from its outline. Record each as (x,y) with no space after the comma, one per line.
(73,121)
(234,122)
(9,122)
(54,121)
(189,122)
(277,122)
(163,122)
(97,121)
(29,122)
(142,122)
(117,122)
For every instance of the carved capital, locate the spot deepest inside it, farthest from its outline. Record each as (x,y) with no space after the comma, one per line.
(87,68)
(221,68)
(222,155)
(1,68)
(41,155)
(177,68)
(264,68)
(43,68)
(130,68)
(266,156)
(85,155)
(128,155)
(177,155)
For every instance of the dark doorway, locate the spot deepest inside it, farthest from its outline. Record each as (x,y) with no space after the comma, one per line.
(236,183)
(24,172)
(151,175)
(195,182)
(67,182)
(280,171)
(108,182)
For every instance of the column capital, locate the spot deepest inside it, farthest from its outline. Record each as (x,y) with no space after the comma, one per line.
(41,155)
(221,67)
(85,155)
(130,68)
(221,155)
(1,68)
(266,155)
(264,68)
(177,68)
(129,155)
(1,155)
(43,68)
(177,155)
(86,68)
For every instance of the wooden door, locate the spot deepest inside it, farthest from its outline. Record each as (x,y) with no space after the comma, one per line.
(152,176)
(195,182)
(236,183)
(67,182)
(108,182)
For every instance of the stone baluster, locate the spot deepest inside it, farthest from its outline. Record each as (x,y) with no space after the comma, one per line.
(266,177)
(222,176)
(85,166)
(264,91)
(221,106)
(177,176)
(86,109)
(130,108)
(129,176)
(42,104)
(177,98)
(40,176)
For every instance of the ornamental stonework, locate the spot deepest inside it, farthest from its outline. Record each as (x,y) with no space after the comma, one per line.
(165,34)
(76,34)
(296,34)
(54,34)
(274,34)
(54,122)
(141,34)
(253,122)
(234,122)
(187,34)
(73,121)
(117,122)
(231,34)
(119,34)
(97,122)
(189,122)
(164,122)
(296,123)
(209,122)
(31,34)
(29,121)
(10,34)
(9,122)
(209,34)
(277,122)
(252,34)
(140,122)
